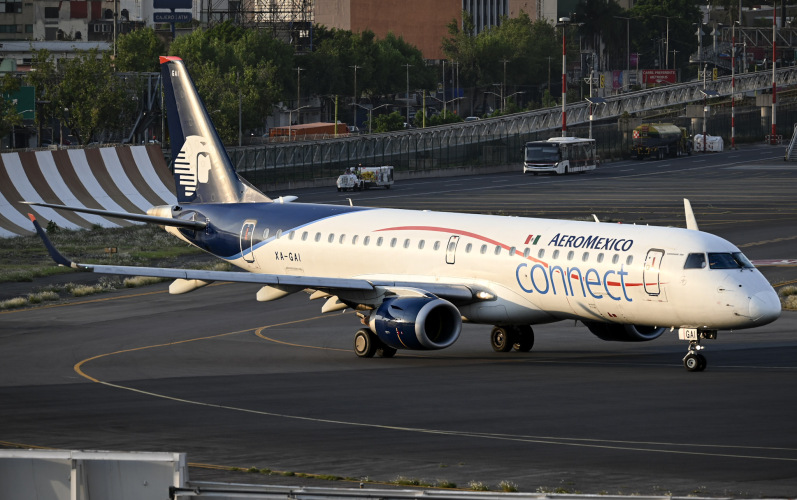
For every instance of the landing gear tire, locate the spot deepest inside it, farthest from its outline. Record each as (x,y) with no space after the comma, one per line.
(502,339)
(695,362)
(365,343)
(524,340)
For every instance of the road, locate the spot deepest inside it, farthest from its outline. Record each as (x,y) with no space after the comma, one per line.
(234,382)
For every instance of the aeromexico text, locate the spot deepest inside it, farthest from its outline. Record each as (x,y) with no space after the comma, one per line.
(543,279)
(592,242)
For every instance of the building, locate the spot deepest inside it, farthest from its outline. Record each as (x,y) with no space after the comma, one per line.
(423,23)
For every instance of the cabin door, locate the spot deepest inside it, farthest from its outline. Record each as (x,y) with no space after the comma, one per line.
(451,249)
(650,275)
(247,239)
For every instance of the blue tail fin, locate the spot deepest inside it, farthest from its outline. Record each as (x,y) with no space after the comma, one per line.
(203,173)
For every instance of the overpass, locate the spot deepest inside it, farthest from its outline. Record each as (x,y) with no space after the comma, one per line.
(419,145)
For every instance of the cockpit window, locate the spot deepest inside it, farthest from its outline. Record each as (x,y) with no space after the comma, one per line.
(695,261)
(735,260)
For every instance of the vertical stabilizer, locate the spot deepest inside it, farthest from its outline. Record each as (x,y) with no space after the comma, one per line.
(691,221)
(203,173)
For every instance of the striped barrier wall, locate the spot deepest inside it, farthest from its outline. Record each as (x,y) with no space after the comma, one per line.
(121,179)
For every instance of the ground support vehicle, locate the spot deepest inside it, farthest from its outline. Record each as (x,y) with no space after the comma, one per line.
(660,140)
(360,178)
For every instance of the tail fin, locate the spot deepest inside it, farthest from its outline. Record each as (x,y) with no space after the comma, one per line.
(203,173)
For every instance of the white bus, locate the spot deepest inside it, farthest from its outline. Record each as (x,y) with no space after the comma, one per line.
(560,155)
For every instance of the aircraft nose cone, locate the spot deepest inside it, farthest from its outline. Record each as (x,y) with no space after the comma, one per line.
(764,307)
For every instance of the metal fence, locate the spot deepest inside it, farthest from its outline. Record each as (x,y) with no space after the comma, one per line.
(496,142)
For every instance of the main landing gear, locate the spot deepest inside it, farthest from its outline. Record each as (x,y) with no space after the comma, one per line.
(506,338)
(694,361)
(366,344)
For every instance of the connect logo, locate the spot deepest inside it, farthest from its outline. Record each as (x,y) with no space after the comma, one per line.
(192,166)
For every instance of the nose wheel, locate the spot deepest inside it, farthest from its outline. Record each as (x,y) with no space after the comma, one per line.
(694,361)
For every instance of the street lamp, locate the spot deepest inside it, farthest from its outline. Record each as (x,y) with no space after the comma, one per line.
(370,113)
(667,54)
(627,45)
(564,22)
(290,121)
(298,85)
(408,65)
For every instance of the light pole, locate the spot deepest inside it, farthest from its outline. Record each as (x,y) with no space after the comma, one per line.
(356,67)
(298,85)
(503,85)
(290,121)
(667,53)
(627,46)
(773,140)
(370,113)
(564,22)
(408,65)
(733,85)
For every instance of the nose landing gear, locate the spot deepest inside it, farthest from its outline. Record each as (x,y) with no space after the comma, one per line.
(694,361)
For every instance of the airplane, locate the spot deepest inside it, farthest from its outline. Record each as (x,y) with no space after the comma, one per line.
(413,277)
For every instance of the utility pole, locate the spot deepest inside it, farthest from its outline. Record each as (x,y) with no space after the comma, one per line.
(408,65)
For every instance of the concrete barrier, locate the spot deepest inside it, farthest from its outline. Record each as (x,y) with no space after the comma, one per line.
(122,179)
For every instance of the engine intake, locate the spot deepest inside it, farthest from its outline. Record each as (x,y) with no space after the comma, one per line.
(419,323)
(625,333)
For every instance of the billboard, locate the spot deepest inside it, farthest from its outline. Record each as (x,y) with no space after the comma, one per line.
(172,4)
(658,76)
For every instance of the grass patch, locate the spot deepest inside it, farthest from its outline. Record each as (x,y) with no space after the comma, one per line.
(508,487)
(788,297)
(24,258)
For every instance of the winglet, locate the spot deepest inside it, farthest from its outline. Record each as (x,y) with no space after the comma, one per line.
(691,222)
(55,254)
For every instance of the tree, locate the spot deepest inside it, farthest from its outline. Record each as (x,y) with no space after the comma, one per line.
(138,51)
(10,117)
(91,99)
(388,122)
(229,63)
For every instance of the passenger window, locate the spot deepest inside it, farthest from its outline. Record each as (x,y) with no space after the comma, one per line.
(406,243)
(585,257)
(615,259)
(279,233)
(541,253)
(600,258)
(570,255)
(526,253)
(497,250)
(512,251)
(484,249)
(265,234)
(629,260)
(304,236)
(331,237)
(421,244)
(436,245)
(317,237)
(366,241)
(393,243)
(379,241)
(468,247)
(555,254)
(354,239)
(342,239)
(695,261)
(291,235)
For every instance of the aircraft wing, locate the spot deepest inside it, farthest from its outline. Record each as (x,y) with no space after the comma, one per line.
(457,293)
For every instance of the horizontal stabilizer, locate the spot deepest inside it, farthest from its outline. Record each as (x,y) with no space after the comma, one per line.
(150,219)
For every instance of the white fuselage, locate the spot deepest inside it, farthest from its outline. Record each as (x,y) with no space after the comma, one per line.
(540,270)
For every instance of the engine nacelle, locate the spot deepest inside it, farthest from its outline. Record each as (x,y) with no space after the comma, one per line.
(625,333)
(420,323)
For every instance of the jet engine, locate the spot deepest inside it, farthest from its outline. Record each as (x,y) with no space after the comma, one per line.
(625,333)
(420,323)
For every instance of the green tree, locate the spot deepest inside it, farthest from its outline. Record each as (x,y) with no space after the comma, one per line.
(9,115)
(138,51)
(45,79)
(444,117)
(90,98)
(388,122)
(229,63)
